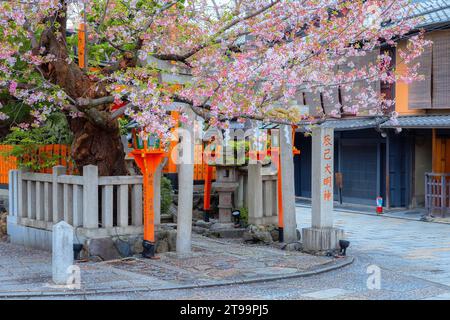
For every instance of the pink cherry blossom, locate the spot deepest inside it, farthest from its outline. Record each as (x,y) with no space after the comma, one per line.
(243,58)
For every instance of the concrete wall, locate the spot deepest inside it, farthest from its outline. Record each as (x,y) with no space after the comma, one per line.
(423,164)
(29,237)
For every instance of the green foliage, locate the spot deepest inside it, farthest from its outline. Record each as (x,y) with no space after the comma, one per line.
(239,146)
(57,127)
(244,216)
(123,122)
(26,144)
(72,44)
(99,52)
(166,195)
(16,111)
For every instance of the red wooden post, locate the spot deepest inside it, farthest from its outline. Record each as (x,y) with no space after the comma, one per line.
(148,161)
(207,191)
(82,46)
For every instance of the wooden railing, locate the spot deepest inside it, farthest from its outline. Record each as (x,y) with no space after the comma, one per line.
(437,193)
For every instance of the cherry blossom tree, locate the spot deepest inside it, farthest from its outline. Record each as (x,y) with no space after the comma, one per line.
(246,59)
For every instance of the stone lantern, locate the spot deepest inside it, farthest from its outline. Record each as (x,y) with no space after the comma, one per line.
(225,184)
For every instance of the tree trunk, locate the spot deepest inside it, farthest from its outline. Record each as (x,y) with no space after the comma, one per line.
(98,146)
(96,136)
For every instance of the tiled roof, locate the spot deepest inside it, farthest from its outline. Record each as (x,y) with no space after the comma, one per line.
(353,124)
(433,11)
(407,122)
(412,122)
(428,121)
(346,124)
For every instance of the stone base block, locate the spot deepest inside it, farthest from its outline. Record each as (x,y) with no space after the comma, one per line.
(111,248)
(100,244)
(263,220)
(316,240)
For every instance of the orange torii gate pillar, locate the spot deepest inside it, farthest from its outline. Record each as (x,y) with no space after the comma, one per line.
(148,157)
(207,192)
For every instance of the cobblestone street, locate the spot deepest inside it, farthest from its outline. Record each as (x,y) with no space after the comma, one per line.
(27,273)
(413,257)
(413,248)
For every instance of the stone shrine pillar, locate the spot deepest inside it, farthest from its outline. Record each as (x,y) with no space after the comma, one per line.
(322,235)
(186,187)
(255,194)
(62,252)
(287,184)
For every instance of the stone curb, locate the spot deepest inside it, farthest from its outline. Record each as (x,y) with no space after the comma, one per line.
(34,294)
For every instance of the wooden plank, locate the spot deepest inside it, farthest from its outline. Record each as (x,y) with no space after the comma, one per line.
(447,156)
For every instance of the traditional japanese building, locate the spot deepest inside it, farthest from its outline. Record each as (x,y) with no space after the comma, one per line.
(392,159)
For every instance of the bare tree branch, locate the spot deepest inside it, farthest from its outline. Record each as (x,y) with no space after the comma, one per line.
(88,102)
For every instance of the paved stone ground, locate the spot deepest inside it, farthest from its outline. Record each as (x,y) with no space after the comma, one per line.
(413,248)
(213,262)
(413,257)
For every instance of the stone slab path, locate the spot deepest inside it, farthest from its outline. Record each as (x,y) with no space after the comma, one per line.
(25,272)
